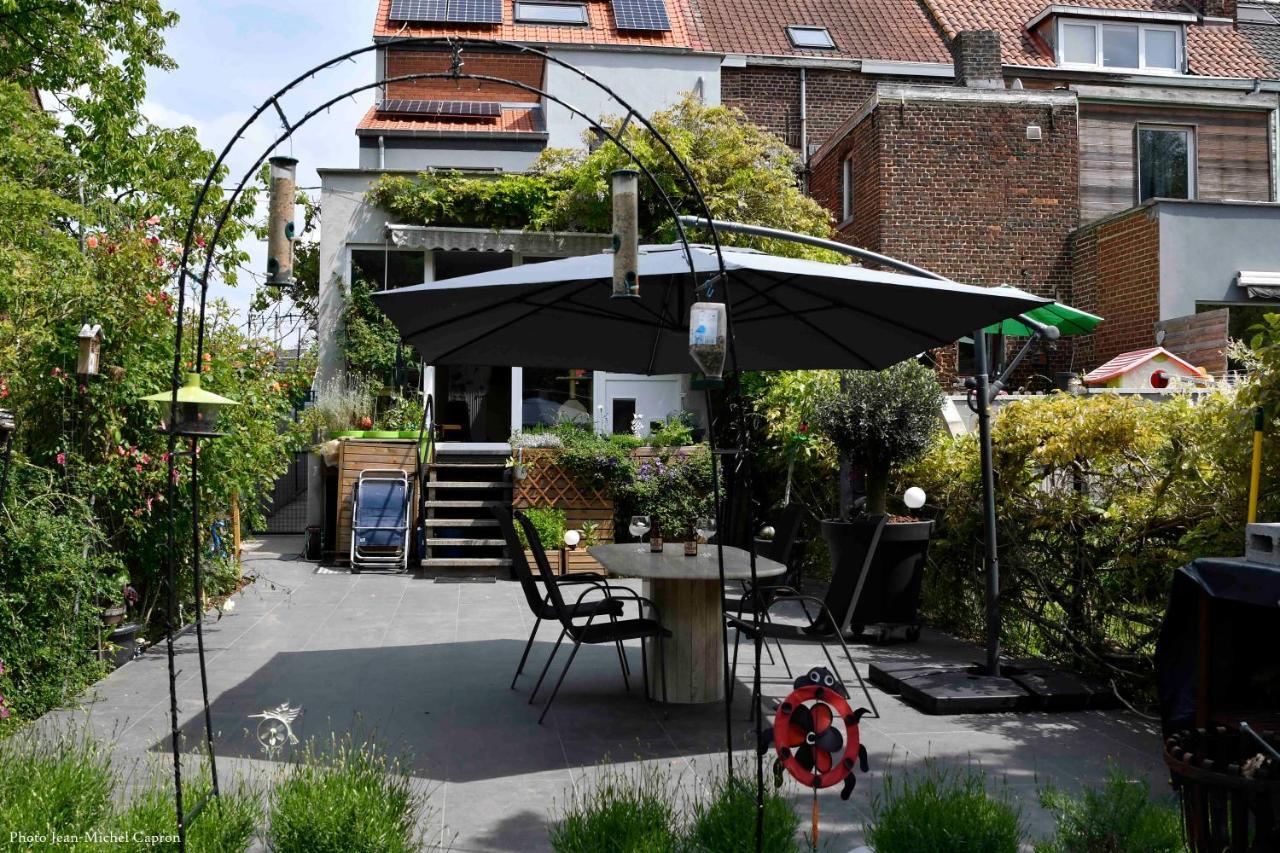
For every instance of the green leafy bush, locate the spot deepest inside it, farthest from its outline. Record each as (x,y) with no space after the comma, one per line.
(881,419)
(1099,499)
(346,797)
(673,489)
(1119,817)
(726,823)
(942,809)
(622,813)
(594,461)
(549,523)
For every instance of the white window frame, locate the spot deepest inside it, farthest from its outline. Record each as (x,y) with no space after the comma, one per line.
(1192,160)
(1180,45)
(846,190)
(792,29)
(524,7)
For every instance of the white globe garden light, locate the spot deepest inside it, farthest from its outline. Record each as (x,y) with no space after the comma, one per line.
(572,538)
(913,497)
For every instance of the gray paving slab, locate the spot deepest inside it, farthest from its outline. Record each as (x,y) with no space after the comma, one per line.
(426,668)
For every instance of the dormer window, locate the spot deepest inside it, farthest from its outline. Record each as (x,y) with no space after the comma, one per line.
(810,37)
(1106,39)
(1144,47)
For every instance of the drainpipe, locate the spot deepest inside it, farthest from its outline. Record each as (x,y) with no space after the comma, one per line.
(804,132)
(382,152)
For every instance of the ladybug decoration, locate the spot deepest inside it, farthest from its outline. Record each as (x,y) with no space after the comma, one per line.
(809,744)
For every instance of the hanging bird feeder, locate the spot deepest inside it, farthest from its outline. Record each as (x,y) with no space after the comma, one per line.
(707,325)
(89,359)
(280,225)
(198,409)
(626,233)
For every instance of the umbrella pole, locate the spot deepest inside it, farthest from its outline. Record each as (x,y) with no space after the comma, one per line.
(991,559)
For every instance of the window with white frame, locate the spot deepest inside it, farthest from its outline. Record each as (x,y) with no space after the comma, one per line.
(846,189)
(1140,47)
(551,13)
(1166,162)
(810,37)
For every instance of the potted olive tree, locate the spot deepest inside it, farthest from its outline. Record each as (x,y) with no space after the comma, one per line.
(877,421)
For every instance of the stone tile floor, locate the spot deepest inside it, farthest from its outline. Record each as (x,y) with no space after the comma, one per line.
(425,667)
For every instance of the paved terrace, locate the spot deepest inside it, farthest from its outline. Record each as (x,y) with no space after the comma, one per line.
(426,666)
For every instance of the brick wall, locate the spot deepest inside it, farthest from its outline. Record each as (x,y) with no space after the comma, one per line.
(977,59)
(525,69)
(1117,276)
(862,147)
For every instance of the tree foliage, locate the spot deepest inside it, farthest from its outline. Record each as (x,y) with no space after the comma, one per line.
(745,172)
(881,419)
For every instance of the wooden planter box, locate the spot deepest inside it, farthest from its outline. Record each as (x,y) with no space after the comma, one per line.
(553,558)
(578,560)
(360,454)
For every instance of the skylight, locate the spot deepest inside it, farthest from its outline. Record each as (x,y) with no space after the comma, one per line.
(551,13)
(810,37)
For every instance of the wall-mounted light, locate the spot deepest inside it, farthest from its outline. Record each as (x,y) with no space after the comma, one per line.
(626,233)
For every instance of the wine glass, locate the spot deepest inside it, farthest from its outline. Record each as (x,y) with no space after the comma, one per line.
(639,526)
(705,527)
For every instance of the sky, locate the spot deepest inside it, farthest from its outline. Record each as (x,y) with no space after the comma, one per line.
(233,54)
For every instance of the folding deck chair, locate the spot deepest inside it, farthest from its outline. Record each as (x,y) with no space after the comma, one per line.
(380,520)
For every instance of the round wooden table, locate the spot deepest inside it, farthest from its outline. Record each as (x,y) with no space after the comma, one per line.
(687,590)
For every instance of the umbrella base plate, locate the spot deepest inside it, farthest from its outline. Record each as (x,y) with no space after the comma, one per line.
(963,688)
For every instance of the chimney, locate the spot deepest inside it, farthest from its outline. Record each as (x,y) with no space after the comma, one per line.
(977,58)
(1219,8)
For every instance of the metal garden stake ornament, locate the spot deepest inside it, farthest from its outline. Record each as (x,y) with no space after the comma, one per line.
(806,737)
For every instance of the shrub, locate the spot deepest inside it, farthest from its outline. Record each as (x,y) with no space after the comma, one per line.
(1119,817)
(880,420)
(227,824)
(347,798)
(674,490)
(622,813)
(550,526)
(593,461)
(726,823)
(60,785)
(942,809)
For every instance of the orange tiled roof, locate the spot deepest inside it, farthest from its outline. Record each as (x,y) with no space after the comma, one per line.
(1213,50)
(895,30)
(512,120)
(684,33)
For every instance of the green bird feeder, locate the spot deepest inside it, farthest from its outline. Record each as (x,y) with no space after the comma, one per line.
(198,409)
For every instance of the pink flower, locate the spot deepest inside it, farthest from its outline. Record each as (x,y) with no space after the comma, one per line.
(62,458)
(57,371)
(4,711)
(150,299)
(153,240)
(159,261)
(120,449)
(164,457)
(146,460)
(154,220)
(1,666)
(138,468)
(149,502)
(91,241)
(137,513)
(199,241)
(84,389)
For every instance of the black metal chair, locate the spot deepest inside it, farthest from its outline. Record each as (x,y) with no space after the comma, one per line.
(594,633)
(779,550)
(835,611)
(540,602)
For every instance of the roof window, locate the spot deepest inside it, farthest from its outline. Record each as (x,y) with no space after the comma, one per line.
(810,37)
(551,13)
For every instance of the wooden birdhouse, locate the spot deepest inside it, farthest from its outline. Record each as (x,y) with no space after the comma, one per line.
(1152,369)
(89,359)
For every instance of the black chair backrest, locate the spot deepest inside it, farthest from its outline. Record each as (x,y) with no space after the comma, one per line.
(544,569)
(785,533)
(515,551)
(848,578)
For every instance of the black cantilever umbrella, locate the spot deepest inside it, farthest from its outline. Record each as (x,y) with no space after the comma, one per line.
(786,313)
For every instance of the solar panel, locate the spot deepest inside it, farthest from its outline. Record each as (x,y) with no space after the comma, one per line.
(451,11)
(475,11)
(418,10)
(641,15)
(473,109)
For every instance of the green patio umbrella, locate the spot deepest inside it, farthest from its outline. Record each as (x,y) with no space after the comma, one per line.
(1067,320)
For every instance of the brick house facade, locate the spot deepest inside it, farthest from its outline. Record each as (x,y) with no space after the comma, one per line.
(1116,274)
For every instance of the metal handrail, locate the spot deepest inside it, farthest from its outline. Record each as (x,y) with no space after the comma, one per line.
(426,455)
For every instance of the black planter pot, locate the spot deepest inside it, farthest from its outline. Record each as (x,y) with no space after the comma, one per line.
(889,607)
(125,640)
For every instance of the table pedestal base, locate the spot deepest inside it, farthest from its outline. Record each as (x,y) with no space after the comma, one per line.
(694,655)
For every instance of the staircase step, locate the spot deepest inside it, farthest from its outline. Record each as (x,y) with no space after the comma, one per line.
(465,562)
(464,484)
(458,504)
(490,543)
(460,522)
